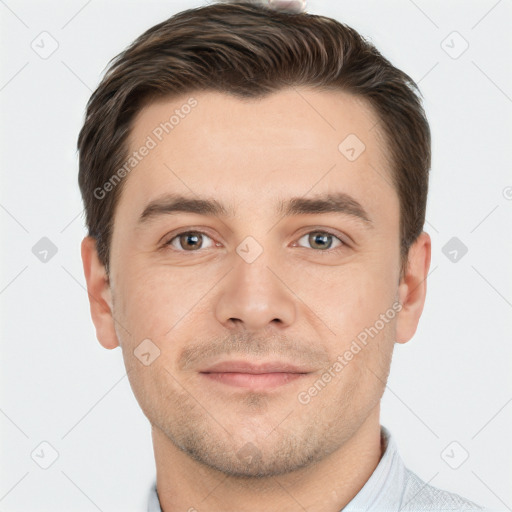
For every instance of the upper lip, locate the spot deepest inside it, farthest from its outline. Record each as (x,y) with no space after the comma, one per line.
(255,368)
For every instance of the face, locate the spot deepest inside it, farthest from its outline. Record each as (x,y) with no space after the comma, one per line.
(266,233)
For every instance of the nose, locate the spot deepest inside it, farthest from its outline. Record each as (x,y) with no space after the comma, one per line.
(255,296)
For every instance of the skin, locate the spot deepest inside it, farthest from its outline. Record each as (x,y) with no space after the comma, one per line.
(297,301)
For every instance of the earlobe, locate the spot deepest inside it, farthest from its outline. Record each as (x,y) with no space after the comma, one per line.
(99,292)
(413,288)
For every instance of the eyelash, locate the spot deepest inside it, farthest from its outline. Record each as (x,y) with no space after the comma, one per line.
(343,245)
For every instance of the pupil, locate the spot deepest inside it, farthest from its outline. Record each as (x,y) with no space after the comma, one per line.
(190,239)
(316,236)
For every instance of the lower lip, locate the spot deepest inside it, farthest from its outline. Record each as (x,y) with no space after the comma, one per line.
(259,381)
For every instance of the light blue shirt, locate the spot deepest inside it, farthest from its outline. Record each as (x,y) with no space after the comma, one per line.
(391,487)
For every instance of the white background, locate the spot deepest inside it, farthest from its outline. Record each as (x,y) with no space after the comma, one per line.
(452,382)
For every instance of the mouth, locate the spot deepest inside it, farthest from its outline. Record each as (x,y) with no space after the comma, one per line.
(256,377)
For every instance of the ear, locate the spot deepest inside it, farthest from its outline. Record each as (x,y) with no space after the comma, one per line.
(413,288)
(100,298)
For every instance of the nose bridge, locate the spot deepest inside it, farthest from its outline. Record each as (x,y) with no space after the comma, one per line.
(254,294)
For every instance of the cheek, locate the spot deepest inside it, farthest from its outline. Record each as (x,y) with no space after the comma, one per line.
(157,299)
(140,299)
(349,298)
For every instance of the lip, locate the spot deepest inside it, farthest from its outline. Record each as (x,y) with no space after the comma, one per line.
(254,368)
(264,376)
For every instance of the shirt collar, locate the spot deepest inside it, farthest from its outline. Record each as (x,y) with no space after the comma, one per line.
(383,490)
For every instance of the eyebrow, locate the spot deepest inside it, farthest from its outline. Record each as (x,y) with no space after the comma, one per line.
(339,202)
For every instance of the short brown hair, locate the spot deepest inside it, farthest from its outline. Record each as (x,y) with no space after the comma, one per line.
(250,50)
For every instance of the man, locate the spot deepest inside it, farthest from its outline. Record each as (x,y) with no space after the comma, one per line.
(255,184)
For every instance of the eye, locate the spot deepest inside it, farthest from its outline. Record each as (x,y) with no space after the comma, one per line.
(189,241)
(322,240)
(192,241)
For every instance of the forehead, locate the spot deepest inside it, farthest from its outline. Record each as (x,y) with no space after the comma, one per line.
(250,151)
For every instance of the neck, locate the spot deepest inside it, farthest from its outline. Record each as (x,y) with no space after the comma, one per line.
(328,485)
